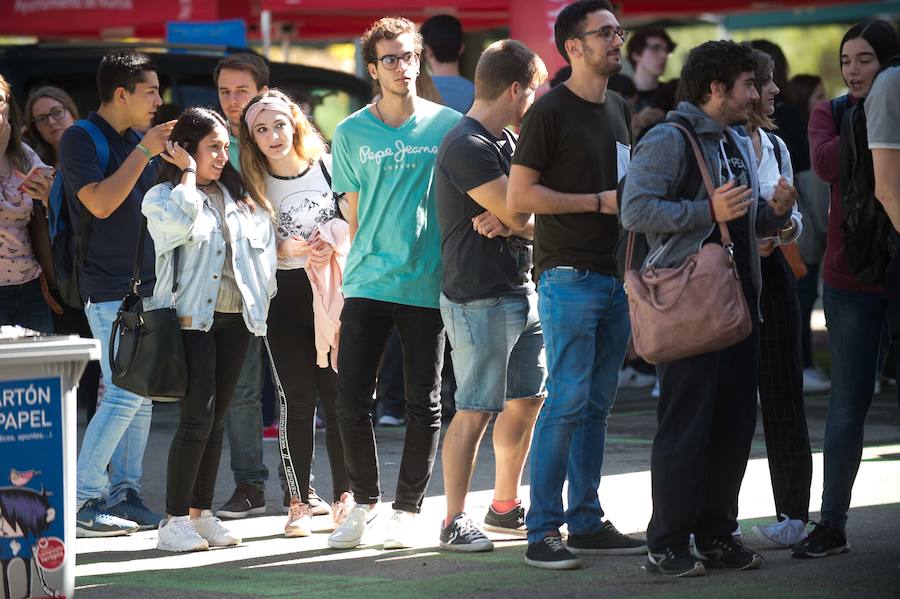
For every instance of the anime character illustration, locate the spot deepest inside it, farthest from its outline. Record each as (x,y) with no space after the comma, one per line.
(25,515)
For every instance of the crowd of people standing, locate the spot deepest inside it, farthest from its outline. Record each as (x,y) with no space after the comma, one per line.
(445,226)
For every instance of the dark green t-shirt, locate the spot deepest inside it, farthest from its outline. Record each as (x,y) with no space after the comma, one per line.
(576,146)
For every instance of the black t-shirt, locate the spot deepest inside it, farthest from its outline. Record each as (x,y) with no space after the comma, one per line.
(574,145)
(112,241)
(645,99)
(739,228)
(475,267)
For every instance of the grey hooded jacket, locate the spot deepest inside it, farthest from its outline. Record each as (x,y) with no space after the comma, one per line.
(676,227)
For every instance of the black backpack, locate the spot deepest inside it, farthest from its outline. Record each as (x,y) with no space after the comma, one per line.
(868,241)
(688,188)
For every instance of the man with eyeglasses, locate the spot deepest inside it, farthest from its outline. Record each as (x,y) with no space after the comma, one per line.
(383,159)
(573,148)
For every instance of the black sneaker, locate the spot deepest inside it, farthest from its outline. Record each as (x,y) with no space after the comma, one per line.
(94,521)
(606,541)
(675,561)
(463,534)
(511,522)
(726,552)
(825,539)
(551,553)
(247,500)
(132,508)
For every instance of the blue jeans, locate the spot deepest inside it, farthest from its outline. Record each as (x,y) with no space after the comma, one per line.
(243,421)
(585,320)
(24,305)
(855,322)
(117,434)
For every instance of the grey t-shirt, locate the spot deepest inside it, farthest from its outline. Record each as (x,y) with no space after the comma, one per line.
(475,267)
(882,110)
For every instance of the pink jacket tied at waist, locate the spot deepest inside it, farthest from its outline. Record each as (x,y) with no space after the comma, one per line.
(328,301)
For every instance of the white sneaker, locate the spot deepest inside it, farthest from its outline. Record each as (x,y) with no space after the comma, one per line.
(780,535)
(349,534)
(629,378)
(210,528)
(815,381)
(655,392)
(388,420)
(299,522)
(400,530)
(177,534)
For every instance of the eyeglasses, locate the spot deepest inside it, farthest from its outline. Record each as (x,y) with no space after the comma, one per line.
(57,114)
(658,48)
(607,32)
(392,61)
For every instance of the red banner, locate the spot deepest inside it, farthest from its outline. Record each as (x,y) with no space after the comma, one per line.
(92,18)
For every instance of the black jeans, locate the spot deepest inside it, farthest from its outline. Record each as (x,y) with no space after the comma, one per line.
(214,360)
(706,419)
(292,339)
(781,389)
(893,311)
(365,327)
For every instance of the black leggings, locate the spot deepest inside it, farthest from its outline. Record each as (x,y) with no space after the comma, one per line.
(214,360)
(292,341)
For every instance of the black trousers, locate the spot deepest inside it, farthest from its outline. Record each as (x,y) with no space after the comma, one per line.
(214,360)
(292,340)
(706,418)
(781,389)
(893,311)
(365,327)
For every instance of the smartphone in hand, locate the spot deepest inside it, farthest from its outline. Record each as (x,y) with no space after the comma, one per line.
(34,173)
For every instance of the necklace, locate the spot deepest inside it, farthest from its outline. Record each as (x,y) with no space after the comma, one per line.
(379,113)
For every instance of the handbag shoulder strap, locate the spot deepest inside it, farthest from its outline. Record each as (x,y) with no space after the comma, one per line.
(707,180)
(138,258)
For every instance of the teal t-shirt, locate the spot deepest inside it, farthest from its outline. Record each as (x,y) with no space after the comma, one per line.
(396,254)
(234,152)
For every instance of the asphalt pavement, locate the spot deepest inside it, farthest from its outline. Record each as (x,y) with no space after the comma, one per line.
(267,565)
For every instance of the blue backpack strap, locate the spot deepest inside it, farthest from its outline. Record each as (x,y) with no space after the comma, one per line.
(56,190)
(100,143)
(839,106)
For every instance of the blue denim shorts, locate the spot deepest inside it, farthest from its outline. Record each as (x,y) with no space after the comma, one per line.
(497,350)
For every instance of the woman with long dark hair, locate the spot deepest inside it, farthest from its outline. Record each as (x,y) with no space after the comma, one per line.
(215,262)
(283,158)
(49,111)
(23,287)
(855,312)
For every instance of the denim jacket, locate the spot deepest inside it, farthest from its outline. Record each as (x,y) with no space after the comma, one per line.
(182,217)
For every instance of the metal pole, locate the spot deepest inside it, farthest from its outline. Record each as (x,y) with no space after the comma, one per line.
(265,28)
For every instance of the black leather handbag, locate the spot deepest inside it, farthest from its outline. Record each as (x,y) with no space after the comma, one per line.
(146,351)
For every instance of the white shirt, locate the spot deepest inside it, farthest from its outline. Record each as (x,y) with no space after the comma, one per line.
(768,173)
(300,203)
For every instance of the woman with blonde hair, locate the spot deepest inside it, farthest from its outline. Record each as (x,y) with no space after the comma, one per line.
(284,159)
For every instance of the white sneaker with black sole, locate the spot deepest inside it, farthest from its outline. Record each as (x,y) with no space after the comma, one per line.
(463,534)
(177,534)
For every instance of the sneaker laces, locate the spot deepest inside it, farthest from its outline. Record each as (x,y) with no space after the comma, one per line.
(183,526)
(341,508)
(468,530)
(298,510)
(555,543)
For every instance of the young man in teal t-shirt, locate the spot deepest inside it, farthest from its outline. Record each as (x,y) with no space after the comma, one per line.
(383,159)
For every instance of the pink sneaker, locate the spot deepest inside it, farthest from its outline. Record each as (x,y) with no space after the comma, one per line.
(341,509)
(299,522)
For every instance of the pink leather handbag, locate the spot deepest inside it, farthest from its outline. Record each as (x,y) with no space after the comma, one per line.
(692,309)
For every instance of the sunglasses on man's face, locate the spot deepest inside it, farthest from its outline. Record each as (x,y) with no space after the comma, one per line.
(607,32)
